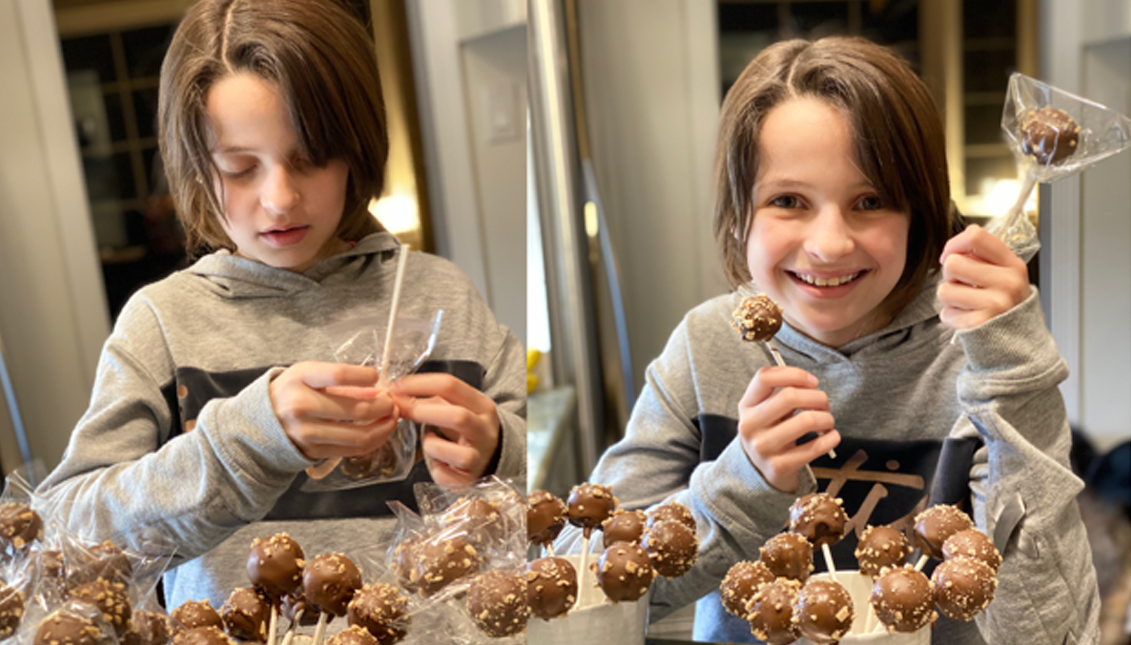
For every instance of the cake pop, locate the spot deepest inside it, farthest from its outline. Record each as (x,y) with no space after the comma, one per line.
(819,517)
(623,526)
(545,517)
(757,318)
(62,627)
(880,547)
(404,561)
(329,582)
(20,526)
(963,587)
(246,613)
(972,543)
(672,547)
(147,628)
(353,635)
(443,561)
(823,611)
(111,599)
(275,566)
(195,613)
(551,587)
(104,560)
(479,518)
(934,525)
(771,612)
(624,572)
(11,609)
(672,511)
(903,599)
(740,584)
(210,635)
(496,601)
(788,555)
(589,505)
(380,610)
(1049,135)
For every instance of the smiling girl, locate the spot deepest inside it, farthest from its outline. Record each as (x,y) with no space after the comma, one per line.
(217,388)
(833,198)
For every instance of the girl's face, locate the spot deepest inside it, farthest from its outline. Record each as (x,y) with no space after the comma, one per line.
(822,243)
(281,210)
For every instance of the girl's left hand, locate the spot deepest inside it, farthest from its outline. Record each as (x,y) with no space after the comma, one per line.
(463,421)
(982,278)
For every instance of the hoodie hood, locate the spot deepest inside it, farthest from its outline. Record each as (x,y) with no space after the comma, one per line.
(230,276)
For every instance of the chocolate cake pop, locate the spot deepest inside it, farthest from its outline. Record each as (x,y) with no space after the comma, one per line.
(624,572)
(380,609)
(296,609)
(11,609)
(20,526)
(329,582)
(903,599)
(65,628)
(443,561)
(381,463)
(963,587)
(788,555)
(51,564)
(823,611)
(673,511)
(480,518)
(623,526)
(275,566)
(740,584)
(147,628)
(771,612)
(496,601)
(880,547)
(972,543)
(551,587)
(757,318)
(404,561)
(96,561)
(246,614)
(589,505)
(934,525)
(195,613)
(672,546)
(210,635)
(819,517)
(1049,135)
(353,635)
(111,599)
(545,517)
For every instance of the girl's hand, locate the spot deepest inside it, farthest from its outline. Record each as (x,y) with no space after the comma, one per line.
(463,424)
(332,409)
(982,279)
(780,406)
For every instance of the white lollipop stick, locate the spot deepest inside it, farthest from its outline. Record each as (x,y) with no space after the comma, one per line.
(398,282)
(550,549)
(829,561)
(582,588)
(320,629)
(273,625)
(781,362)
(922,561)
(289,636)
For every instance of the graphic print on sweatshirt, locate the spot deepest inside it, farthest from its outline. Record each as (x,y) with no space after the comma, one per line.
(879,481)
(193,388)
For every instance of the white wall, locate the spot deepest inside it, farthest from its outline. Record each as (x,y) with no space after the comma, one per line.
(53,315)
(651,98)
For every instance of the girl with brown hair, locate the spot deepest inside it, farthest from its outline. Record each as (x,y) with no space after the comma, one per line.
(218,388)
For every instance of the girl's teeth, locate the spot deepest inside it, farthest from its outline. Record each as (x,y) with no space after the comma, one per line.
(828,282)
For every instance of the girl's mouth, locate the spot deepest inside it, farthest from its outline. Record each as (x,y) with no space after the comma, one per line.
(818,281)
(285,237)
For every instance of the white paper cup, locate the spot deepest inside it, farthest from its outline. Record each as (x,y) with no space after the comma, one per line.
(864,626)
(593,619)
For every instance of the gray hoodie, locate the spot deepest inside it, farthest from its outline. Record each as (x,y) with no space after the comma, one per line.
(180,434)
(902,398)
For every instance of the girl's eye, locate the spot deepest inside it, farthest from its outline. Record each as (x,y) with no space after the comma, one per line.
(786,201)
(870,203)
(238,174)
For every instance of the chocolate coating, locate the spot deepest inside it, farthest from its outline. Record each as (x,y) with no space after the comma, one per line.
(275,566)
(672,546)
(11,609)
(195,613)
(757,318)
(771,612)
(589,505)
(147,628)
(246,614)
(404,562)
(963,587)
(673,511)
(20,526)
(623,526)
(545,517)
(64,628)
(740,584)
(824,611)
(111,599)
(551,587)
(353,635)
(481,519)
(329,582)
(496,602)
(1049,135)
(442,562)
(624,572)
(295,608)
(788,555)
(380,609)
(904,599)
(879,547)
(379,464)
(96,561)
(819,517)
(934,525)
(972,543)
(210,635)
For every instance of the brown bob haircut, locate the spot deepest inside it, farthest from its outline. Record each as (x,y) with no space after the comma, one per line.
(320,58)
(899,133)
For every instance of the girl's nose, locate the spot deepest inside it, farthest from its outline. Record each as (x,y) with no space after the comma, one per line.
(829,237)
(279,193)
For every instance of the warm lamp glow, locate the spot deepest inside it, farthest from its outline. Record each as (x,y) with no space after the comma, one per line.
(997,196)
(397,213)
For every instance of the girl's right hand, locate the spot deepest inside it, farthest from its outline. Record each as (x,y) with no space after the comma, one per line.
(333,409)
(781,405)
